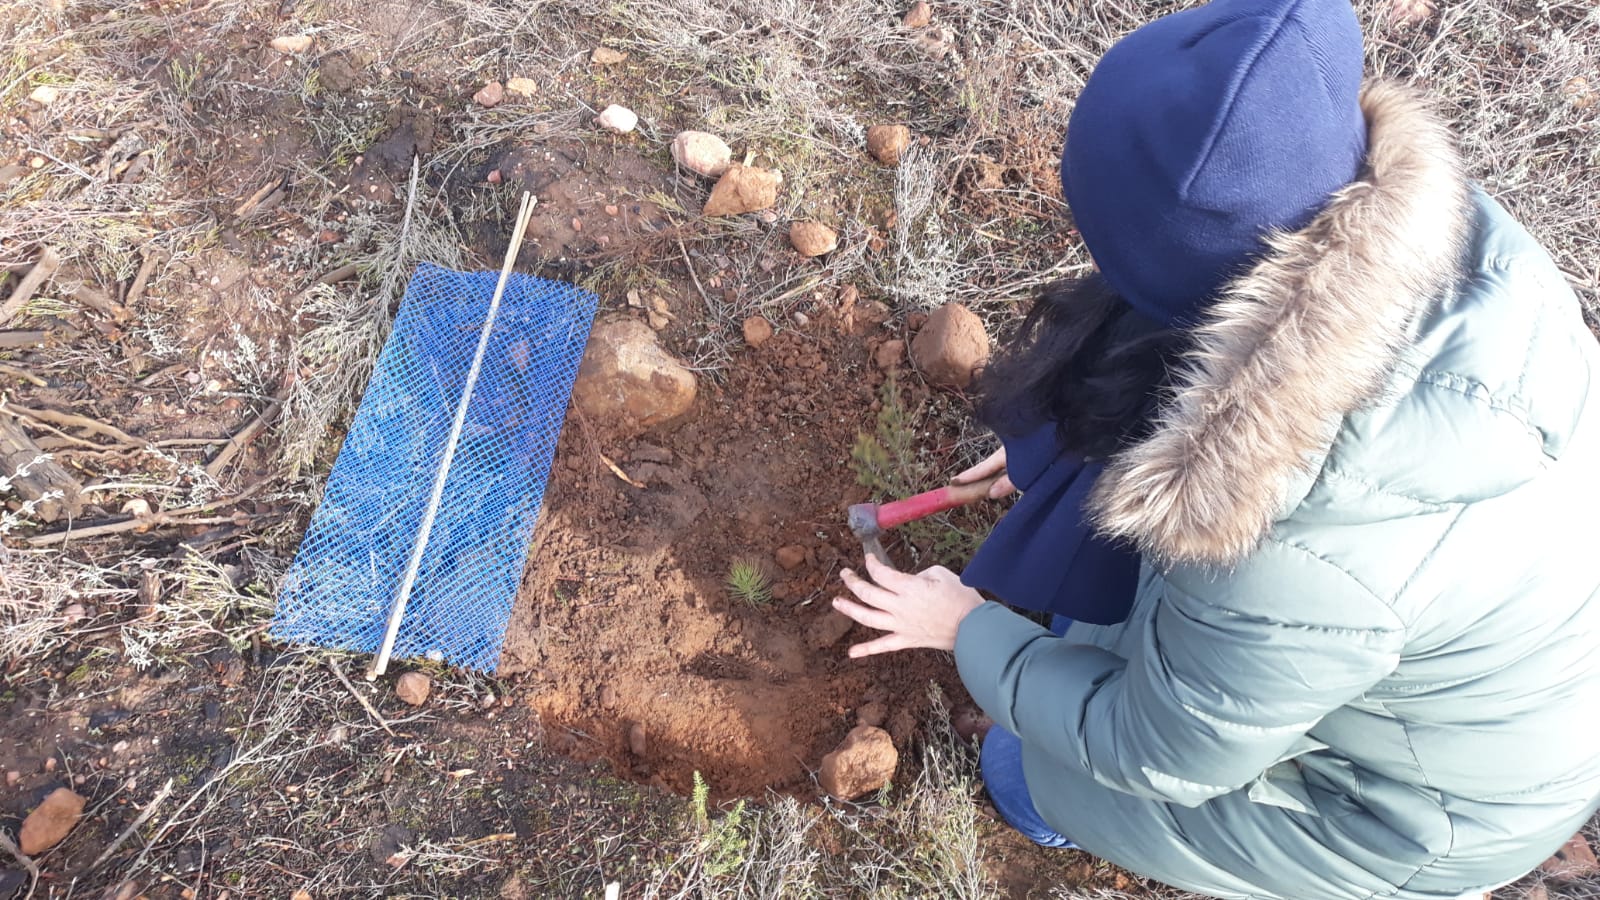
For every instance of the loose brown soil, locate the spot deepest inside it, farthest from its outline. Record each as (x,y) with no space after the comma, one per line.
(625,618)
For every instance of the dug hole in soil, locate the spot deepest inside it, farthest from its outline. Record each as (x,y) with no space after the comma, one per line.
(635,648)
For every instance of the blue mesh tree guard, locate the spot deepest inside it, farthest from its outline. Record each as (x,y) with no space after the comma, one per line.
(343,583)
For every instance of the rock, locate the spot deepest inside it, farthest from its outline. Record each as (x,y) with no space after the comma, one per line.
(606,56)
(301,894)
(864,762)
(127,890)
(1574,860)
(872,714)
(617,119)
(951,346)
(12,777)
(813,238)
(50,821)
(608,697)
(887,142)
(490,95)
(872,313)
(638,742)
(292,44)
(889,355)
(757,331)
(522,87)
(743,189)
(918,16)
(702,153)
(827,630)
(413,688)
(627,381)
(45,94)
(791,556)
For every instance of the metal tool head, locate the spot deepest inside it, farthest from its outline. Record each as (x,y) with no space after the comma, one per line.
(863,519)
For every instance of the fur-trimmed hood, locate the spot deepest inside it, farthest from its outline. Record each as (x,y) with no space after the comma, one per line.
(1313,332)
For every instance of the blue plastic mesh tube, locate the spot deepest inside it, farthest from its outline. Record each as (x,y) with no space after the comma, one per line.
(344,579)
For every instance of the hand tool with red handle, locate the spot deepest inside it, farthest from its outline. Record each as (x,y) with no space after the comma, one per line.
(869,520)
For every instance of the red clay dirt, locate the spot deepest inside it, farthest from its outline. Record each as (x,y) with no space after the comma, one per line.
(624,623)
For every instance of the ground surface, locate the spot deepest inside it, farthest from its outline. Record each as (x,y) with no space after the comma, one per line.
(235,224)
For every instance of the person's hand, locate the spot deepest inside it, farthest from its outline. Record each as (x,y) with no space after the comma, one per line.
(921,610)
(995,464)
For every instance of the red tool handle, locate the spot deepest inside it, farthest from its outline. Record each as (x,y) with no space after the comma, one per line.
(937,500)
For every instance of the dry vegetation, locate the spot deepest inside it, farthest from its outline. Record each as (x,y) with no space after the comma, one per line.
(263,772)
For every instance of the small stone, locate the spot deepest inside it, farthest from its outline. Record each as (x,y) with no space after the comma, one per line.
(813,238)
(292,44)
(743,189)
(301,894)
(757,331)
(612,209)
(490,95)
(50,821)
(801,319)
(75,612)
(12,778)
(791,556)
(627,381)
(887,142)
(889,355)
(637,739)
(951,346)
(872,714)
(607,56)
(1574,860)
(862,763)
(702,153)
(45,94)
(494,177)
(127,890)
(617,119)
(827,630)
(522,87)
(918,16)
(50,764)
(413,688)
(608,697)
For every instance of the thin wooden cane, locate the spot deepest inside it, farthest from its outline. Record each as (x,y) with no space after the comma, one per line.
(398,612)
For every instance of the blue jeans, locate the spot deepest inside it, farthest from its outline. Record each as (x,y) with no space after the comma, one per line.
(1000,762)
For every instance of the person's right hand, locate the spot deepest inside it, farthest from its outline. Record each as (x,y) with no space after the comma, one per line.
(994,465)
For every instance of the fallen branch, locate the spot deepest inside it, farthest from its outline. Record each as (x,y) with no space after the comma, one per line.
(23,374)
(72,420)
(192,515)
(27,864)
(617,471)
(371,710)
(48,262)
(149,810)
(246,434)
(147,266)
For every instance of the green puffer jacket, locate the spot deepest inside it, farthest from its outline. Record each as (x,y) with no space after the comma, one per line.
(1365,653)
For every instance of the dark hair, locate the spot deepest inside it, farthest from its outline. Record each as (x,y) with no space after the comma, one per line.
(1086,360)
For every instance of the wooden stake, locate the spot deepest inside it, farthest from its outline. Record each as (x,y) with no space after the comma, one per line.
(397,613)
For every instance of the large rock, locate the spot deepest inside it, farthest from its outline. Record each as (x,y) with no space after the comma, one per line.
(50,821)
(627,382)
(864,762)
(743,189)
(702,153)
(951,346)
(813,238)
(413,688)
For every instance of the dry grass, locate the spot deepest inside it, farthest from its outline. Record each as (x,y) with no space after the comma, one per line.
(169,95)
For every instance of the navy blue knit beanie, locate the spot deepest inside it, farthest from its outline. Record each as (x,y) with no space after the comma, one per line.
(1204,130)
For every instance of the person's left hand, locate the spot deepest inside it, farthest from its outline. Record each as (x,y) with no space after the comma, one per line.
(921,610)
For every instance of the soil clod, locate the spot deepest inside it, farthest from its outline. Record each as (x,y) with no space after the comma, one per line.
(702,153)
(607,56)
(827,630)
(889,355)
(743,189)
(50,821)
(757,331)
(292,44)
(887,142)
(413,688)
(918,16)
(1575,859)
(791,556)
(863,763)
(951,346)
(638,741)
(522,87)
(872,714)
